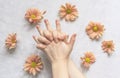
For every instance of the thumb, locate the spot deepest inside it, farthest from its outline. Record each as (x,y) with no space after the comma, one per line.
(72,40)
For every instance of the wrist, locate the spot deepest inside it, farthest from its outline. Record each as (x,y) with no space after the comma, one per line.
(57,69)
(59,62)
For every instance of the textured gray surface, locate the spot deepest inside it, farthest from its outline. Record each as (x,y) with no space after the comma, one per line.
(12,20)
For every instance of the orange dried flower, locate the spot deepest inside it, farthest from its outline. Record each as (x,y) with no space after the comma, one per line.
(33,15)
(88,59)
(68,11)
(11,41)
(95,30)
(33,64)
(108,46)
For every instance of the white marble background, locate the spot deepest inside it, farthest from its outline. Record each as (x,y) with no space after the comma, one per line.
(12,20)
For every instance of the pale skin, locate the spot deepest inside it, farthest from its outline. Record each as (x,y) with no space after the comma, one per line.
(58,48)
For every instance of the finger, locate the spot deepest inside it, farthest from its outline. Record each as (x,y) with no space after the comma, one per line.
(58,27)
(61,36)
(34,37)
(72,40)
(66,39)
(43,40)
(39,30)
(41,46)
(55,36)
(49,28)
(48,35)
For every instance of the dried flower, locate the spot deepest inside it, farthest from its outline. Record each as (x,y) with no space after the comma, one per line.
(11,41)
(108,46)
(88,59)
(68,11)
(33,15)
(95,30)
(33,64)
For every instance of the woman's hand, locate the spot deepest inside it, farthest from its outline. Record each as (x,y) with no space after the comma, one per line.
(56,45)
(54,42)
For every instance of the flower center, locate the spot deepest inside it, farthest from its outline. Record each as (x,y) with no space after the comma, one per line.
(68,11)
(95,28)
(108,45)
(32,16)
(33,64)
(13,41)
(87,60)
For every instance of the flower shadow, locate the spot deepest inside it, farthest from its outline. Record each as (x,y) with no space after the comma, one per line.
(10,51)
(84,69)
(109,55)
(27,75)
(29,26)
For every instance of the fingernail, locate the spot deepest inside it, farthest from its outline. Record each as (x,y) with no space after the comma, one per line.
(37,26)
(56,40)
(49,42)
(44,12)
(33,36)
(57,21)
(75,34)
(51,38)
(63,37)
(45,20)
